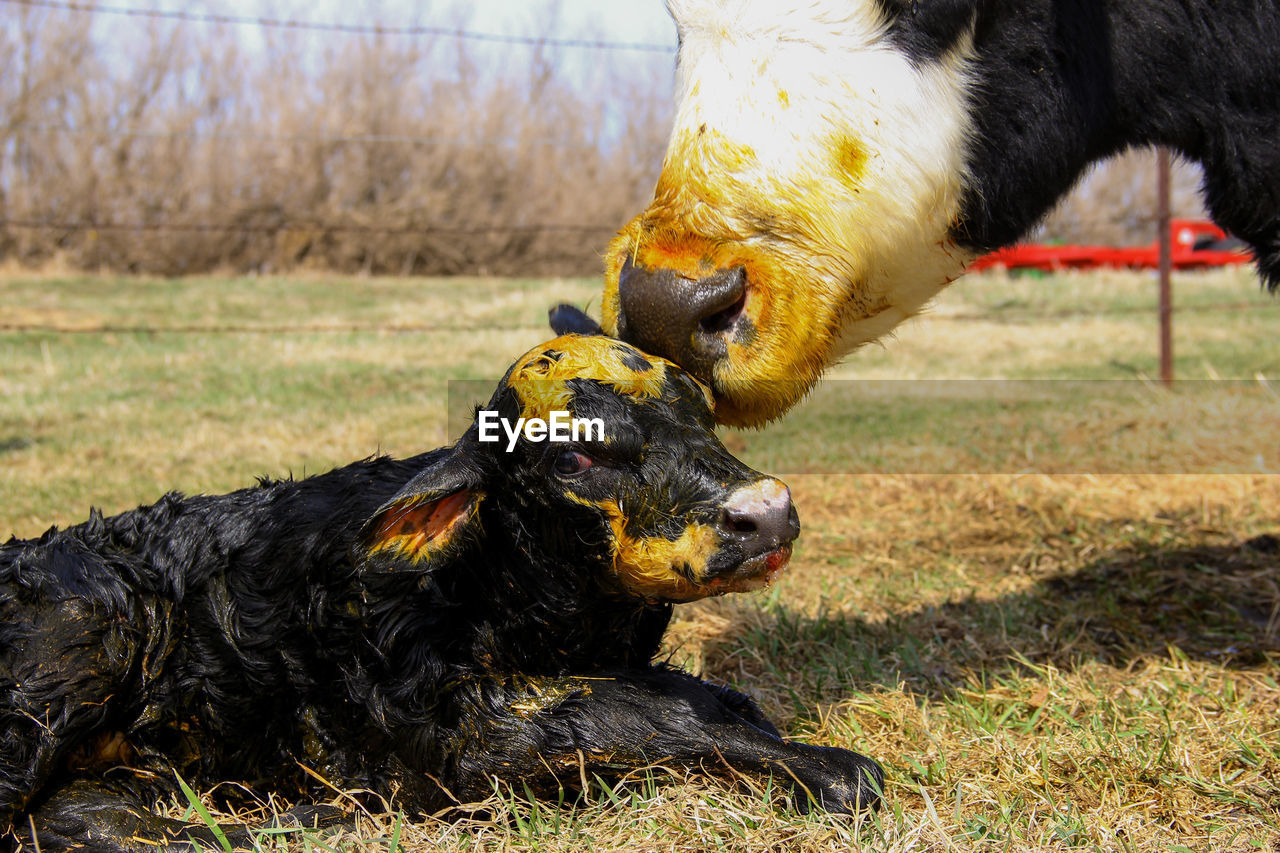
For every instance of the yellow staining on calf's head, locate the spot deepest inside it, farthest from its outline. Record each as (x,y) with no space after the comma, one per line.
(540,378)
(658,569)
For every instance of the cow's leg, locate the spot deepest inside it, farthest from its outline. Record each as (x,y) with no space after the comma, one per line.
(544,732)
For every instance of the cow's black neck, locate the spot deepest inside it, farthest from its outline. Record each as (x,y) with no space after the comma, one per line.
(1060,84)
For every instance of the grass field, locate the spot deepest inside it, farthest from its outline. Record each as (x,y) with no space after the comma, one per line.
(1050,608)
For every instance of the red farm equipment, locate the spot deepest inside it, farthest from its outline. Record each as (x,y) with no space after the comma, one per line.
(1196,244)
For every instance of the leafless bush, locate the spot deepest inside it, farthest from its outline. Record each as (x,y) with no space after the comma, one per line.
(215,156)
(1115,203)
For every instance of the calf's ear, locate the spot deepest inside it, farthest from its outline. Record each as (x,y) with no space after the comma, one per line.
(431,516)
(566,319)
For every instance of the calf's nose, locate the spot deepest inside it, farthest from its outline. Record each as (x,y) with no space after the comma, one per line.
(760,517)
(686,320)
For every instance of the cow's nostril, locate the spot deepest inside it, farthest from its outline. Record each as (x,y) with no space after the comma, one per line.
(722,321)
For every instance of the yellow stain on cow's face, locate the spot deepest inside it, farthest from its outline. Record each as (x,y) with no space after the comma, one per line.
(832,173)
(804,289)
(658,569)
(850,159)
(540,378)
(794,314)
(794,309)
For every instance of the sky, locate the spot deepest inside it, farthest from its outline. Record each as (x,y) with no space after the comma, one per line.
(629,21)
(610,20)
(644,21)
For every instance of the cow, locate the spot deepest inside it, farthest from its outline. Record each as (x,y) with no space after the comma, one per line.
(835,163)
(418,627)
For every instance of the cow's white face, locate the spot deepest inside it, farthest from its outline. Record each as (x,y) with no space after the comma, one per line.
(805,202)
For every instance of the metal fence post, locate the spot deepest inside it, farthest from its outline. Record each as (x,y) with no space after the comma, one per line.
(1166,267)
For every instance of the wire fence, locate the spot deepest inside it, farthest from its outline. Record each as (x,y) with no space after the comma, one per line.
(328,138)
(348,28)
(993,317)
(203,159)
(270,329)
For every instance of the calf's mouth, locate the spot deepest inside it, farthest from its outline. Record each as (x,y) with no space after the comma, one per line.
(756,527)
(746,547)
(758,572)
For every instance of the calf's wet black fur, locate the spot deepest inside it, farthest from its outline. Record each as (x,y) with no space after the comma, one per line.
(413,627)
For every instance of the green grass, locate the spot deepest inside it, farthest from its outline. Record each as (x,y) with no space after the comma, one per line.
(1043,605)
(1020,426)
(117,417)
(1085,326)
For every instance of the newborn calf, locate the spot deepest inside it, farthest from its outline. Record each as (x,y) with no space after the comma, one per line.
(491,609)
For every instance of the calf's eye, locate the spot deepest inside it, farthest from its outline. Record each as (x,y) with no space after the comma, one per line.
(572,462)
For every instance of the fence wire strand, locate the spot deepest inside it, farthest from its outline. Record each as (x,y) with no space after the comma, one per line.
(348,28)
(227,329)
(463,230)
(472,328)
(337,138)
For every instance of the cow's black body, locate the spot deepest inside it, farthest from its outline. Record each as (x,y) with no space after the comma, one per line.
(1060,84)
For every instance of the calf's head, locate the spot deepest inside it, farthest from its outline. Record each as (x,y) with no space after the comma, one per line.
(615,469)
(810,190)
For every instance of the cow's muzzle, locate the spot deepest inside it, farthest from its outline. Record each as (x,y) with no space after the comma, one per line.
(687,320)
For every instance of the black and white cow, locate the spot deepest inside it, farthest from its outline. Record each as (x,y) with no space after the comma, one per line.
(835,163)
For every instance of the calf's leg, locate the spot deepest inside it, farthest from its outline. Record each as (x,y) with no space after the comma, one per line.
(540,731)
(113,816)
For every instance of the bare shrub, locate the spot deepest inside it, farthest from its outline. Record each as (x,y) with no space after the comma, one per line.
(1115,203)
(376,156)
